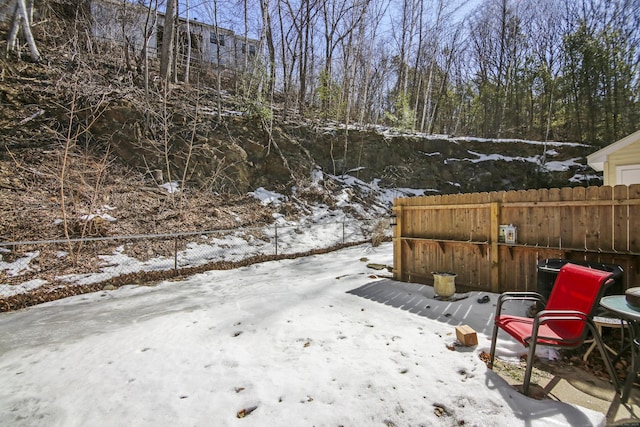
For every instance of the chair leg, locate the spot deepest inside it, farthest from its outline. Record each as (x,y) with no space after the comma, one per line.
(527,372)
(492,353)
(632,375)
(592,347)
(605,356)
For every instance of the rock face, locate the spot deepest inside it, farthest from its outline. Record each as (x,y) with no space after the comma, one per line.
(241,156)
(451,165)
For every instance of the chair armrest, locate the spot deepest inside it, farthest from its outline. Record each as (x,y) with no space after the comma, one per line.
(521,296)
(545,316)
(518,296)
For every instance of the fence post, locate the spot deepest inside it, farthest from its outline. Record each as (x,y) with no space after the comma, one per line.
(495,250)
(397,244)
(276,227)
(343,238)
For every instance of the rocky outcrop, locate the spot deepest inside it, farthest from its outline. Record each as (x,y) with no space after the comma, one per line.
(241,155)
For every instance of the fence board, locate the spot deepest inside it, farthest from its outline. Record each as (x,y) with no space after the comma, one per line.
(444,233)
(577,217)
(634,220)
(620,219)
(566,193)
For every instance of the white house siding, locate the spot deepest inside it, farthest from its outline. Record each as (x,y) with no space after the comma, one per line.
(623,164)
(110,16)
(229,44)
(113,21)
(628,174)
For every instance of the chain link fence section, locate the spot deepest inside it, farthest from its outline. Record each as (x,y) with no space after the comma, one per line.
(43,268)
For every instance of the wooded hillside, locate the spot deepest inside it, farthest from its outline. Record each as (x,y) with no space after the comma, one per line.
(552,70)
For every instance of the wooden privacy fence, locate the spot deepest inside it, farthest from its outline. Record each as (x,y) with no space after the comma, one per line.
(459,233)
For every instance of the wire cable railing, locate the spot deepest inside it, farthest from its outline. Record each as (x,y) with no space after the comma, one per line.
(34,271)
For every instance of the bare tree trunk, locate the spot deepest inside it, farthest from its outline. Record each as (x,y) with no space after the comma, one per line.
(22,16)
(63,170)
(408,26)
(427,98)
(191,146)
(167,41)
(502,67)
(266,17)
(125,36)
(304,60)
(166,140)
(145,42)
(35,54)
(218,57)
(245,64)
(12,37)
(29,13)
(417,80)
(176,45)
(286,75)
(186,67)
(251,72)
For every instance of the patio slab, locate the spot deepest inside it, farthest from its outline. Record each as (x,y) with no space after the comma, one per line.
(550,380)
(569,384)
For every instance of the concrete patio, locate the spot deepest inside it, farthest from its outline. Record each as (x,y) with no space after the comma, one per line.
(555,381)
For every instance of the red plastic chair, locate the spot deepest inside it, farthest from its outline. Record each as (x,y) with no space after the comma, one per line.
(565,320)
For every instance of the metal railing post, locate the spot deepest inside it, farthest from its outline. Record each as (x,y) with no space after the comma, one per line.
(276,227)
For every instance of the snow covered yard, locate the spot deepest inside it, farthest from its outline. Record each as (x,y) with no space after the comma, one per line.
(304,342)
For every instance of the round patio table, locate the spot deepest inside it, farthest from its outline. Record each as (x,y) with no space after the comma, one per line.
(617,305)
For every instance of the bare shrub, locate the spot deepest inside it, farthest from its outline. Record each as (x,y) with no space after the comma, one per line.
(379,232)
